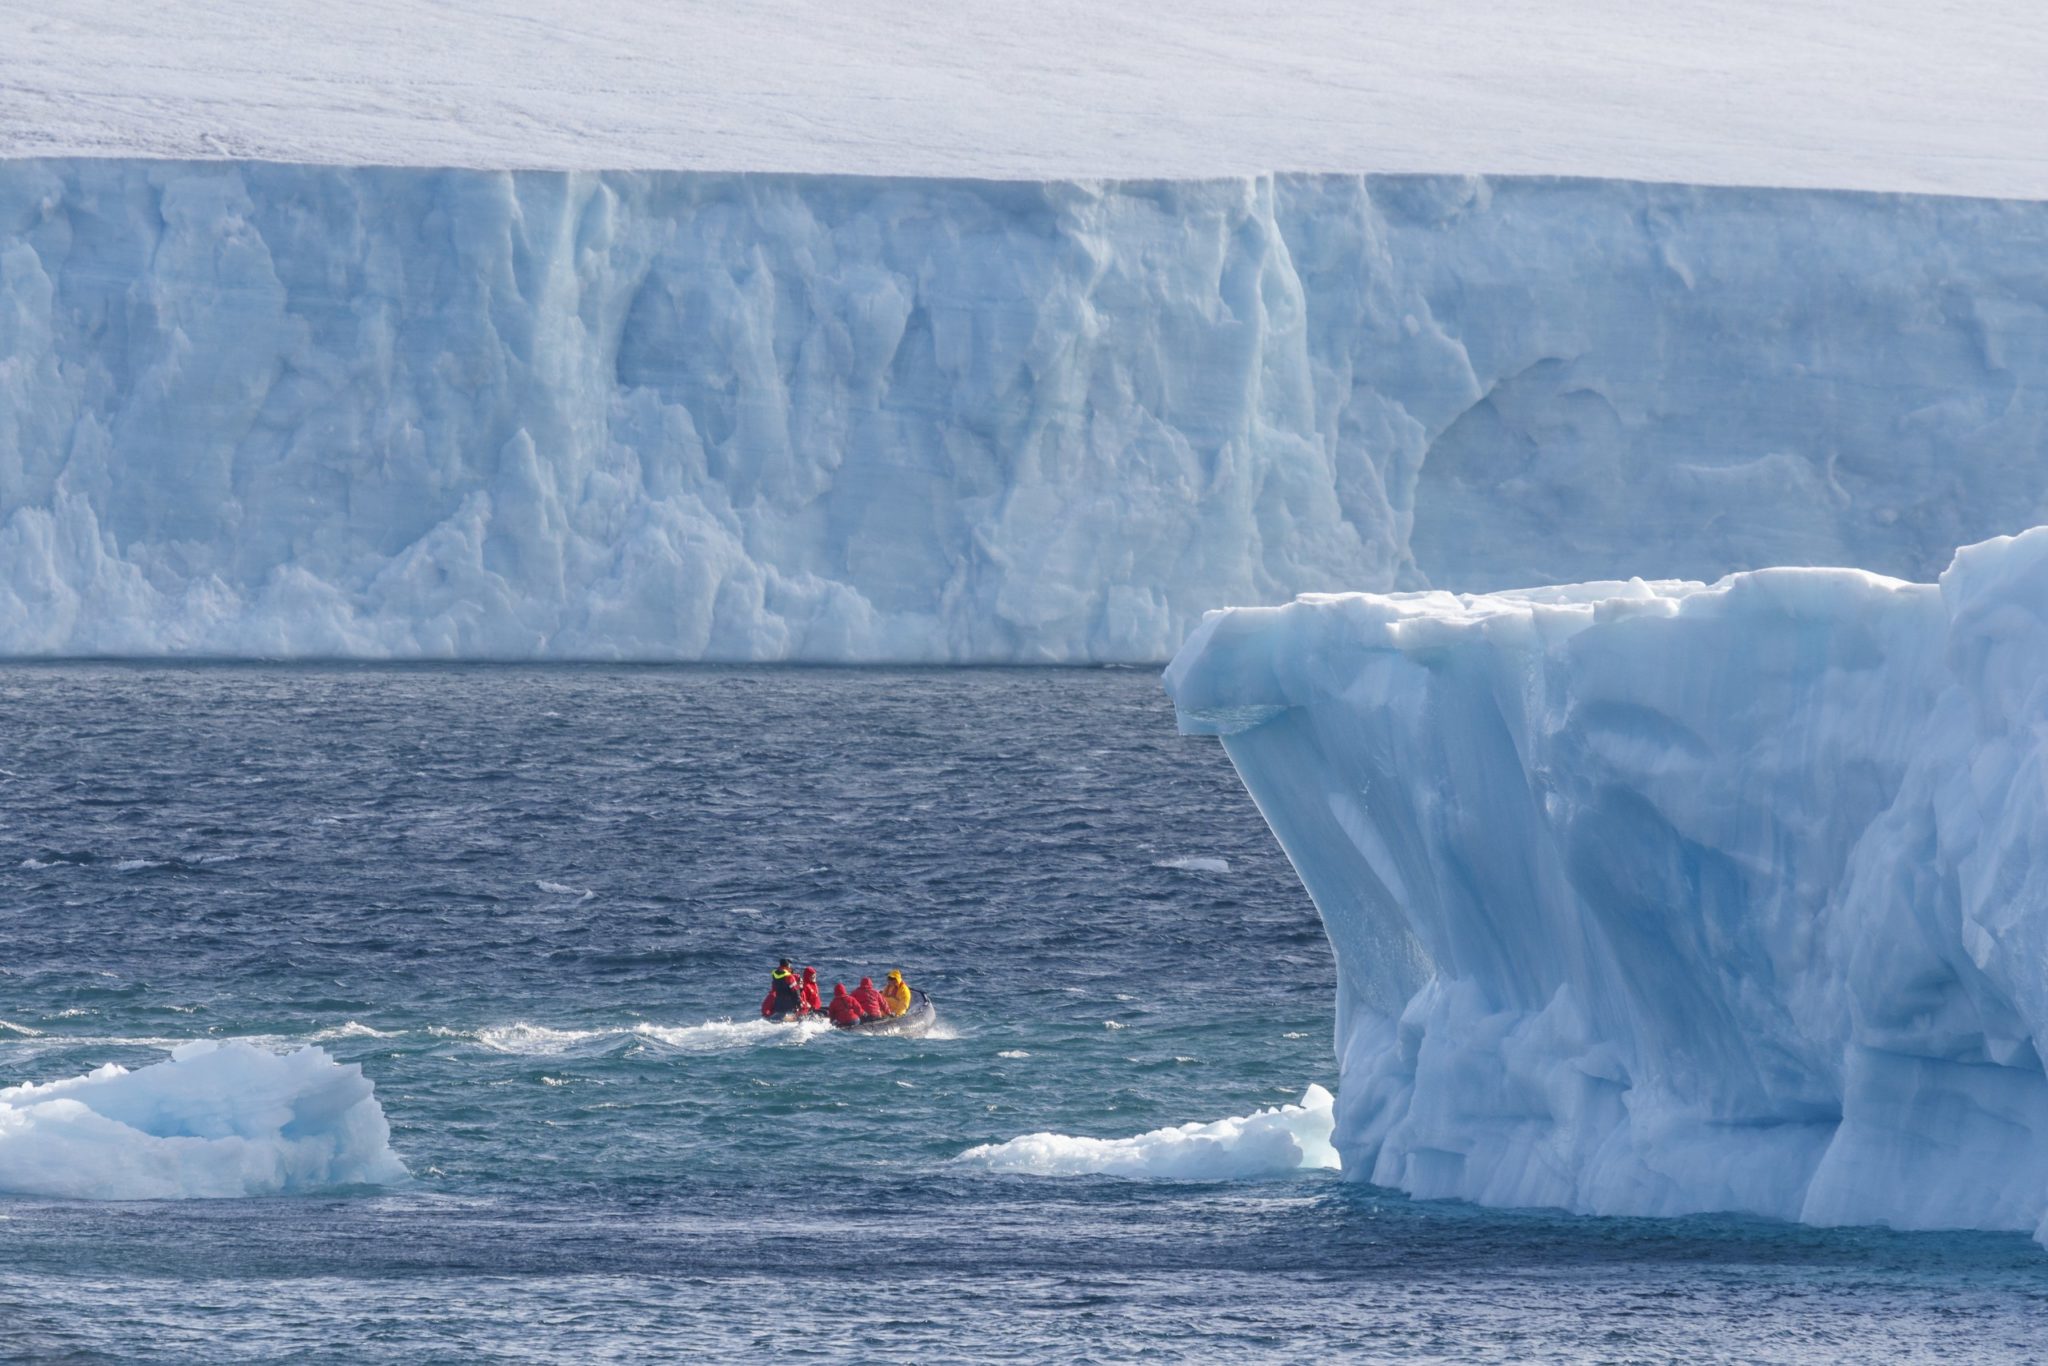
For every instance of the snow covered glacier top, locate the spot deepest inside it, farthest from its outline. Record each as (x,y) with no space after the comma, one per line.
(1653,898)
(1856,94)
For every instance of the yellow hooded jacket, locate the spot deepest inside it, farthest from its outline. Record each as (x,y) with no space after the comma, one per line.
(895,994)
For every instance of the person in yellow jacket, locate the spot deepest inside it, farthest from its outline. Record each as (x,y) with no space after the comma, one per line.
(895,994)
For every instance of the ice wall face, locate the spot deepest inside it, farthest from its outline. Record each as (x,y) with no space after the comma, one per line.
(290,411)
(1563,382)
(1663,898)
(271,410)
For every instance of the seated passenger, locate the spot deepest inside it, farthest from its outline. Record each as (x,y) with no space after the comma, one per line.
(869,1000)
(844,1010)
(809,988)
(896,993)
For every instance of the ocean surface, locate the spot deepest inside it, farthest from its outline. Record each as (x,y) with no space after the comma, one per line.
(538,906)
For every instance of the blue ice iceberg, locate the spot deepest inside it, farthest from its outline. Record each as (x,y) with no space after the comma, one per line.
(1657,898)
(215,1119)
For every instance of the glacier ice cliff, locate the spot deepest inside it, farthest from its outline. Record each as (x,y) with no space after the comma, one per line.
(252,409)
(1655,898)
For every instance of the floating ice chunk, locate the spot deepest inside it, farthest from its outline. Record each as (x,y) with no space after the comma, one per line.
(564,889)
(216,1120)
(1268,1143)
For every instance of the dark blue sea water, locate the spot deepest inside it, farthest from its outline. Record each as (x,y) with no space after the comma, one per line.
(529,902)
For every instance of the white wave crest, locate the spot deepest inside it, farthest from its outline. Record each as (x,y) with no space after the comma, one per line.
(1195,865)
(564,889)
(1270,1143)
(35,1043)
(215,1120)
(352,1030)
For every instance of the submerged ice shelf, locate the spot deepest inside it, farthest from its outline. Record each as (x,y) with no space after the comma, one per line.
(1655,898)
(265,410)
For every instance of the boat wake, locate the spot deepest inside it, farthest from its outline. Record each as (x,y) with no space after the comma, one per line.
(533,1040)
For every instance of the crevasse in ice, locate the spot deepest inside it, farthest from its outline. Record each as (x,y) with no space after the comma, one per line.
(1652,898)
(255,409)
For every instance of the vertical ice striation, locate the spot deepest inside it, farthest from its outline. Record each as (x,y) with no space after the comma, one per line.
(297,411)
(259,409)
(1652,898)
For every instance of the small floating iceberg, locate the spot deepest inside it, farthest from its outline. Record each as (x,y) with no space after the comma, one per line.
(1270,1143)
(215,1120)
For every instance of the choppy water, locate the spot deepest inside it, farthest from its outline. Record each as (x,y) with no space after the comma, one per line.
(538,906)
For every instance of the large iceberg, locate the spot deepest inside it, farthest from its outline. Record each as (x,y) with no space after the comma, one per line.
(1652,898)
(251,409)
(215,1119)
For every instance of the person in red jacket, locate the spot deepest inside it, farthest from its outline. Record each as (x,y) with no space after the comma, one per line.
(845,1012)
(869,1000)
(809,988)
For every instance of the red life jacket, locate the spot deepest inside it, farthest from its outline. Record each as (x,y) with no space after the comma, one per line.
(844,1010)
(809,989)
(870,1000)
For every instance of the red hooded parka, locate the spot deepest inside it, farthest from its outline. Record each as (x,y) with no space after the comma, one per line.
(869,1000)
(844,1010)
